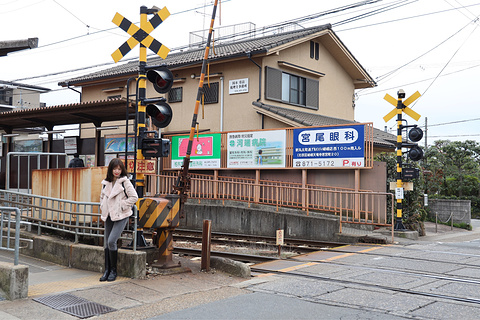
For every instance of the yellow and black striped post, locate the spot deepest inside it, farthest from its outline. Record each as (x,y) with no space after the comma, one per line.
(400,107)
(398,222)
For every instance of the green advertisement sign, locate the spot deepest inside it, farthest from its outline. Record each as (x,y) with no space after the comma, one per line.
(205,151)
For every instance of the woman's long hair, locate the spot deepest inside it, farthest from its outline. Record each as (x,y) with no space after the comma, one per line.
(112,165)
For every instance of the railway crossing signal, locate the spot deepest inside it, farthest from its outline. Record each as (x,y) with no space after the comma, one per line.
(149,147)
(415,135)
(141,34)
(158,109)
(162,79)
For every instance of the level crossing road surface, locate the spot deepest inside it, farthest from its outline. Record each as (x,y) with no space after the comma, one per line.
(434,277)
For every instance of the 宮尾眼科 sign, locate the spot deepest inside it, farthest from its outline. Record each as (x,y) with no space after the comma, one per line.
(331,147)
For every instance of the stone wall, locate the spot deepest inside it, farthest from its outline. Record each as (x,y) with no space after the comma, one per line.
(444,209)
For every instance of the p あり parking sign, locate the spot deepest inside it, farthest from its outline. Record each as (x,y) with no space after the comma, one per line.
(333,147)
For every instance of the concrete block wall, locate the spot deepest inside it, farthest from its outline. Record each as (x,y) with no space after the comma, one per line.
(237,217)
(131,263)
(460,210)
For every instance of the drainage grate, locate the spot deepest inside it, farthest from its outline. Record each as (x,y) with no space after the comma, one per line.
(73,305)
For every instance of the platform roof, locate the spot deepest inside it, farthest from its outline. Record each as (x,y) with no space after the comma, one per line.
(95,112)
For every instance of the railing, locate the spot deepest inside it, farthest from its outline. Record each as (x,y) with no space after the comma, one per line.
(24,160)
(6,222)
(361,207)
(71,217)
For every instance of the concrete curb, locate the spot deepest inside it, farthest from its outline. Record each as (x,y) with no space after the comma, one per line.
(131,263)
(14,280)
(235,268)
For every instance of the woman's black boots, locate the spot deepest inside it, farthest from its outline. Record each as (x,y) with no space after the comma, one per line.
(107,265)
(113,265)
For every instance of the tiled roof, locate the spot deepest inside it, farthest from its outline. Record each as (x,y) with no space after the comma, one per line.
(22,85)
(83,112)
(195,56)
(380,138)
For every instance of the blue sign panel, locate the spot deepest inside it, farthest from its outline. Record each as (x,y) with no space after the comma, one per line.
(342,146)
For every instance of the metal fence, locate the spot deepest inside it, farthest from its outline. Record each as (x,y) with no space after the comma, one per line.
(19,167)
(354,207)
(65,216)
(10,216)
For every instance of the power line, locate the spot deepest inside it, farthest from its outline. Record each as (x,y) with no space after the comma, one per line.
(419,81)
(452,122)
(88,27)
(271,27)
(446,64)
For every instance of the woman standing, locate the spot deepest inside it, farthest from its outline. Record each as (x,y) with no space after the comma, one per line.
(116,201)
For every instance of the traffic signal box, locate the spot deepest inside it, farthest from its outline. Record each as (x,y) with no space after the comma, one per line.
(415,153)
(155,147)
(161,214)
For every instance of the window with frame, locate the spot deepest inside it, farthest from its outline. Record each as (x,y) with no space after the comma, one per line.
(175,94)
(314,50)
(292,89)
(6,97)
(210,92)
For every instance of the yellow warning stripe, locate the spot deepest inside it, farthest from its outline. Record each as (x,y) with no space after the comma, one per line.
(159,208)
(351,253)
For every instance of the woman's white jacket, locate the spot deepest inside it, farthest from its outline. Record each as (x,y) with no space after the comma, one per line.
(116,200)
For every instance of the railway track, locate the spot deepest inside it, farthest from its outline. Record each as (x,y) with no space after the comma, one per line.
(296,246)
(410,267)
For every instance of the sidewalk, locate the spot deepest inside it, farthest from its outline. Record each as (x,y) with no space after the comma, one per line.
(443,233)
(158,294)
(131,298)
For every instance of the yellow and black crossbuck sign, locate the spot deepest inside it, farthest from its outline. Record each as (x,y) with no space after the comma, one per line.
(141,35)
(405,107)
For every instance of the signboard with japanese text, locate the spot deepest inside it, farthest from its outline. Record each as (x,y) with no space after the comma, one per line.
(205,151)
(259,149)
(238,86)
(70,145)
(332,147)
(144,166)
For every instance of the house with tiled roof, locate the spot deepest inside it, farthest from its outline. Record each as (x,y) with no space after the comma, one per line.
(305,77)
(15,95)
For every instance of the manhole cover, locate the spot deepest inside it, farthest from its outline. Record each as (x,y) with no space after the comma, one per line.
(73,305)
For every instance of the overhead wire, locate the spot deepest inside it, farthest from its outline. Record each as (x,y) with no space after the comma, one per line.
(387,7)
(446,64)
(311,16)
